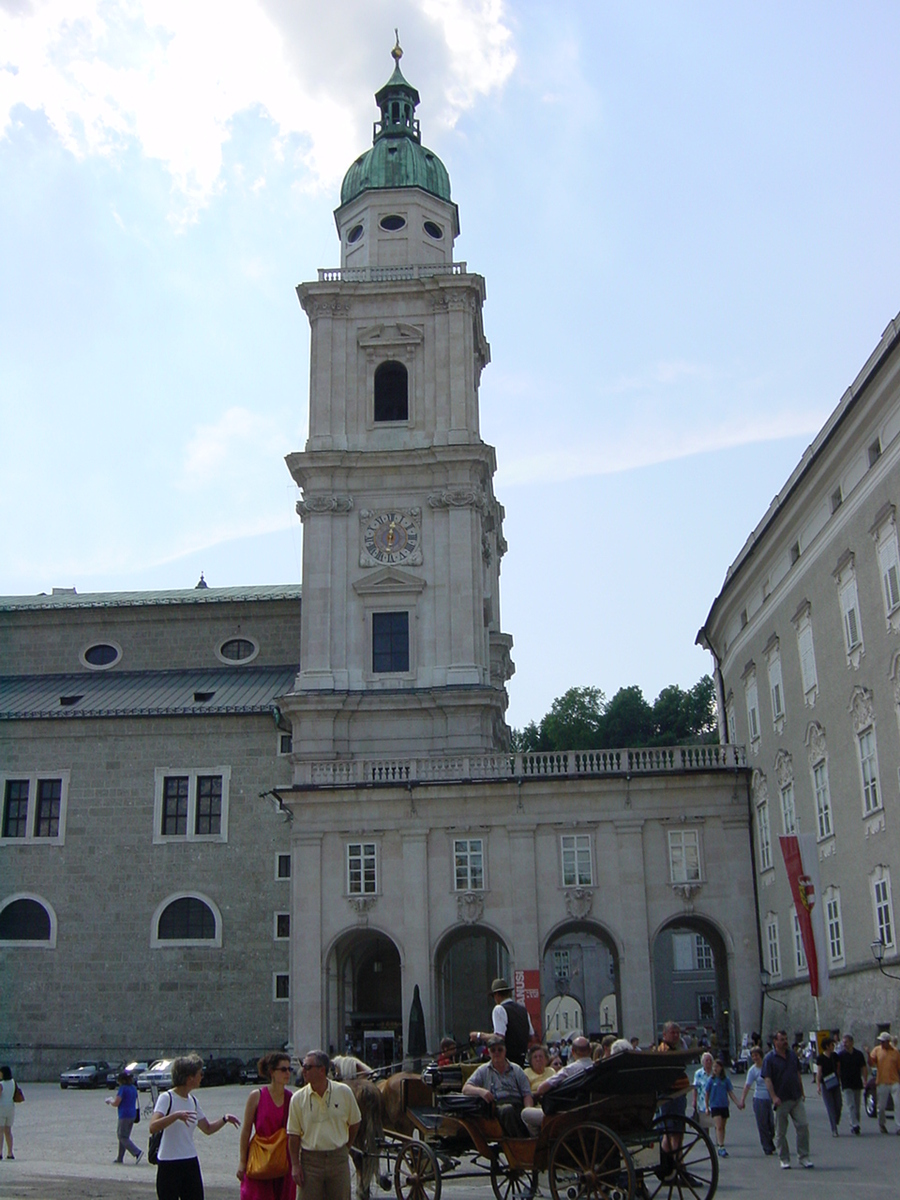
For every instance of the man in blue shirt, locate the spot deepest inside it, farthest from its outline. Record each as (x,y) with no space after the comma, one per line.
(781,1071)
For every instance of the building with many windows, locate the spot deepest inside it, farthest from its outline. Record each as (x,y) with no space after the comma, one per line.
(806,637)
(139,736)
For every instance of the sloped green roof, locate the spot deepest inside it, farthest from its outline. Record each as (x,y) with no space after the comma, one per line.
(396,163)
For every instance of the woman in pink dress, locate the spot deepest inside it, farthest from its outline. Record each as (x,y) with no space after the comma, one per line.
(266,1112)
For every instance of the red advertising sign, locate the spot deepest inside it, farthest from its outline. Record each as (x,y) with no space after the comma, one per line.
(527,991)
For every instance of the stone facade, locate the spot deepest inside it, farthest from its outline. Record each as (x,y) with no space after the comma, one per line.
(102,981)
(806,637)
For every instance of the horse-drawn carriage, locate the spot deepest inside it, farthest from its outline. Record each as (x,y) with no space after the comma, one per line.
(601,1138)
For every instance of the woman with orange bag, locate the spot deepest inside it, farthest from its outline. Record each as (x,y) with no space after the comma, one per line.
(265,1117)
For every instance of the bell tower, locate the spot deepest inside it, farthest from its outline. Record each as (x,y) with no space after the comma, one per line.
(401,647)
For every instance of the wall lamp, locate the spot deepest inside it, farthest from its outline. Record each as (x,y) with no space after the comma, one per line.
(765,979)
(878,949)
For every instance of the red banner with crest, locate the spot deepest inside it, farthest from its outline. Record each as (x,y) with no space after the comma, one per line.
(801,861)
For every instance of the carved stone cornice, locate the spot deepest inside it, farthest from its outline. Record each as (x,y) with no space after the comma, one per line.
(470,907)
(459,300)
(815,742)
(320,505)
(759,786)
(862,706)
(687,892)
(458,498)
(579,901)
(326,306)
(362,906)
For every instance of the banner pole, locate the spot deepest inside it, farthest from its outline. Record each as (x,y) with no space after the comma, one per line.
(818,1022)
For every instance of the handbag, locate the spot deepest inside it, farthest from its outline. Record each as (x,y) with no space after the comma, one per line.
(156,1138)
(831,1081)
(267,1157)
(18,1095)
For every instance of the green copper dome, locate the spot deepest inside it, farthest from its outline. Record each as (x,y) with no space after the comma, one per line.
(397,158)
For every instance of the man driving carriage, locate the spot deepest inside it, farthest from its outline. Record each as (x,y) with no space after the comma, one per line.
(510,1021)
(503,1084)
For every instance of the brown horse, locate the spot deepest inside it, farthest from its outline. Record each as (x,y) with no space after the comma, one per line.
(367,1146)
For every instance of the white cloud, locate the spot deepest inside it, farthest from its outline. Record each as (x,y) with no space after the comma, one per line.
(229,448)
(171,75)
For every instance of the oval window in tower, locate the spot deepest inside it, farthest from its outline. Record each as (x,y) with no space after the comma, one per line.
(355,234)
(392,222)
(434,231)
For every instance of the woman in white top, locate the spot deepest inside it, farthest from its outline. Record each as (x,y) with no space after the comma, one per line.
(7,1109)
(178,1114)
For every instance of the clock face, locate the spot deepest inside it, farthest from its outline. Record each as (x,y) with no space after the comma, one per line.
(391,537)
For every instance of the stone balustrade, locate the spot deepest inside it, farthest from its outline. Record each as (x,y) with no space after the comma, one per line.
(647,760)
(389,274)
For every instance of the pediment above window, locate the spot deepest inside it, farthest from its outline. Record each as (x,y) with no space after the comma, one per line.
(388,582)
(389,336)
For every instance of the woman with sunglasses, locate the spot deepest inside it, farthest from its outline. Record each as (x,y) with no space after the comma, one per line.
(267,1112)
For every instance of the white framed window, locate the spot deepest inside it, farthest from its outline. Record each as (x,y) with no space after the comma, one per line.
(706,1006)
(824,828)
(799,953)
(362,868)
(561,965)
(834,929)
(752,695)
(27,922)
(34,808)
(776,684)
(285,744)
(806,649)
(884,531)
(468,864)
(577,865)
(883,906)
(191,805)
(788,810)
(868,764)
(703,952)
(773,948)
(765,835)
(186,919)
(281,986)
(730,721)
(282,866)
(684,855)
(850,610)
(683,952)
(282,931)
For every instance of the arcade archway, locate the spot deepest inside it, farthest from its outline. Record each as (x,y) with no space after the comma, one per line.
(467,961)
(690,980)
(580,964)
(364,997)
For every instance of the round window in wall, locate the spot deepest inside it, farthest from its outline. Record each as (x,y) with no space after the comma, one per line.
(101,655)
(393,222)
(238,650)
(434,231)
(355,234)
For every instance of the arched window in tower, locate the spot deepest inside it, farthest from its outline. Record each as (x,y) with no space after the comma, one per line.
(391,392)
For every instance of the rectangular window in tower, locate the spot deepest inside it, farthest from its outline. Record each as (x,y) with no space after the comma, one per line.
(684,855)
(868,761)
(362,868)
(468,862)
(788,812)
(773,949)
(576,860)
(823,800)
(390,642)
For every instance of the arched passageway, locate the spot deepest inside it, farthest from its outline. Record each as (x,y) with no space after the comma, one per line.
(580,964)
(467,962)
(364,998)
(690,980)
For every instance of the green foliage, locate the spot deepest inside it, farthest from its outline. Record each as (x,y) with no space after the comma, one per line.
(583,719)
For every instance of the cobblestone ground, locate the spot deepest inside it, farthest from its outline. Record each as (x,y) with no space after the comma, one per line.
(65,1144)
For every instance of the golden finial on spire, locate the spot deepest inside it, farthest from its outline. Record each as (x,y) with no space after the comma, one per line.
(397,52)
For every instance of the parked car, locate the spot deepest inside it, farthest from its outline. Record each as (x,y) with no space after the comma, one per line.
(159,1075)
(218,1071)
(85,1073)
(250,1070)
(871,1098)
(133,1068)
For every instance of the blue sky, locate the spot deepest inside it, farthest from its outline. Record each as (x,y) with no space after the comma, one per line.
(686,214)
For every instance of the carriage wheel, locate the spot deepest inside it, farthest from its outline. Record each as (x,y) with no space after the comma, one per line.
(590,1162)
(689,1173)
(511,1183)
(416,1175)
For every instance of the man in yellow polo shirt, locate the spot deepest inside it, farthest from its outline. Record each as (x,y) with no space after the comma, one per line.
(322,1123)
